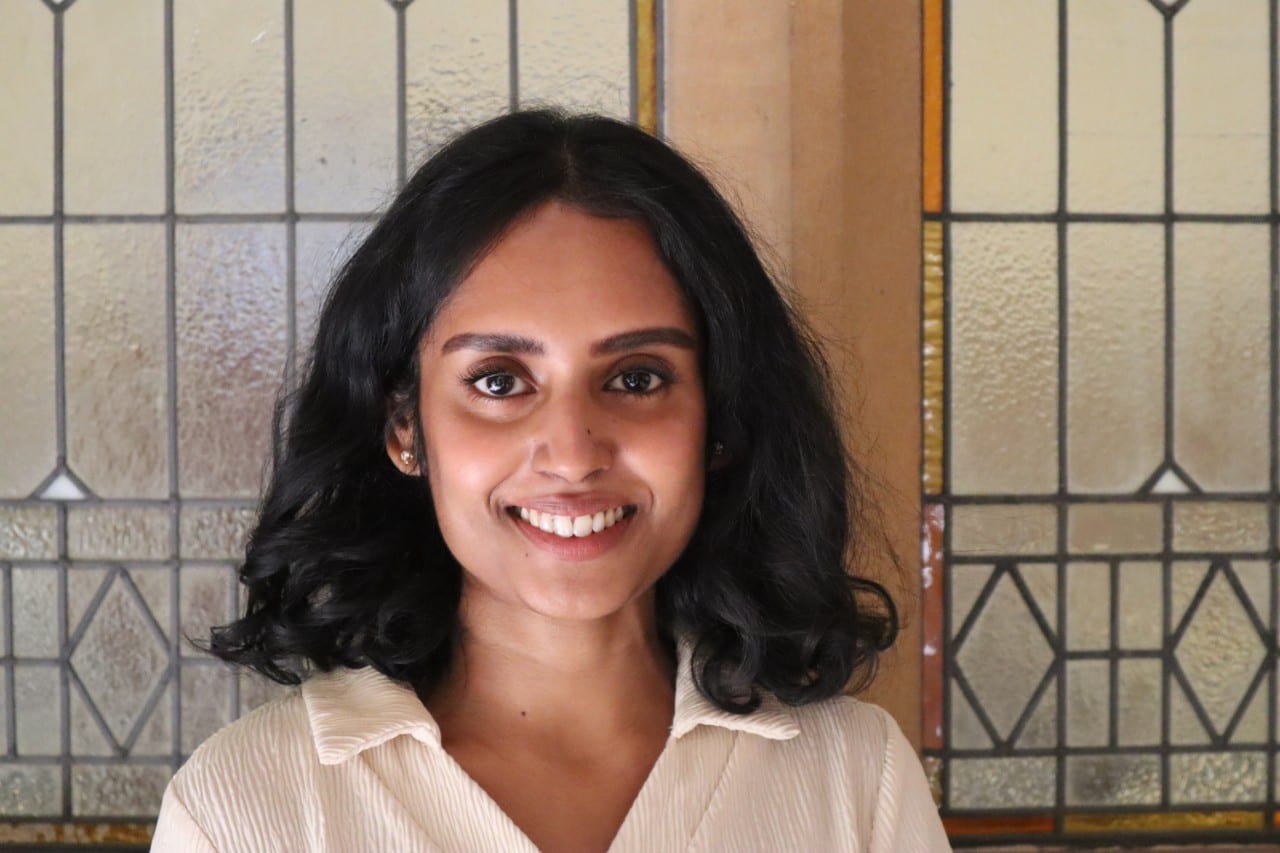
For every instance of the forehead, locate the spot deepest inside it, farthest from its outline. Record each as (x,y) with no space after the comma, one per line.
(563,274)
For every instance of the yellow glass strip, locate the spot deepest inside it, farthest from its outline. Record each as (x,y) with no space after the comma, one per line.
(932,119)
(647,65)
(933,773)
(1161,821)
(76,833)
(932,358)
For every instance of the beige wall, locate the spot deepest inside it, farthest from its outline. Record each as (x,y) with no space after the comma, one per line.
(808,114)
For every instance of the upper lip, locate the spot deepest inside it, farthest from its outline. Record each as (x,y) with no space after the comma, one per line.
(573,505)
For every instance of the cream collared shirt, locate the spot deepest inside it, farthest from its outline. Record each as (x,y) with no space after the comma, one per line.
(352,761)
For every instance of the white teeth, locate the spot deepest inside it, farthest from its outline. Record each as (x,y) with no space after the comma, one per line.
(564,526)
(524,513)
(547,523)
(582,526)
(568,527)
(597,521)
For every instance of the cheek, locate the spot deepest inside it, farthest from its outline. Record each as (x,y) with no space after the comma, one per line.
(466,461)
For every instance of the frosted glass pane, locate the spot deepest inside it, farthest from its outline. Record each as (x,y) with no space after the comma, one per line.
(1088,606)
(118,789)
(1221,362)
(28,532)
(231,348)
(210,533)
(26,122)
(575,54)
(206,703)
(256,691)
(207,598)
(322,249)
(1111,780)
(87,737)
(119,659)
(1219,652)
(35,605)
(1004,74)
(117,385)
(1004,529)
(155,584)
(1141,605)
(1004,337)
(31,790)
(113,79)
(967,731)
(1115,356)
(344,57)
(1218,777)
(156,737)
(1004,656)
(1115,101)
(1088,702)
(1219,526)
(1041,729)
(456,68)
(229,112)
(1115,527)
(1001,783)
(83,583)
(966,582)
(26,351)
(1138,702)
(36,697)
(1220,103)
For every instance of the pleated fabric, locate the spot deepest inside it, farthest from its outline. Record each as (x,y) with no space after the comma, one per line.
(352,761)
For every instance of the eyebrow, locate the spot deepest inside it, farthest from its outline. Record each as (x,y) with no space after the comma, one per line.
(518,344)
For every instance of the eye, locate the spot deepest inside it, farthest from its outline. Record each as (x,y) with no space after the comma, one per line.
(638,382)
(499,384)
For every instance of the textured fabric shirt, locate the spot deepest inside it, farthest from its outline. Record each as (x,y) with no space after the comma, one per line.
(353,761)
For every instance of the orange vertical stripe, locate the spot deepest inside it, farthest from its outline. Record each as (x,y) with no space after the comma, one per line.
(932,119)
(647,65)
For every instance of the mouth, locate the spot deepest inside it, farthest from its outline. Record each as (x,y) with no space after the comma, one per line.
(575,526)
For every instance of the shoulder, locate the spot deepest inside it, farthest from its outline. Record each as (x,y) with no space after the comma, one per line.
(844,724)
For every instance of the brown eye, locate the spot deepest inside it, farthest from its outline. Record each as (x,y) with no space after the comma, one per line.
(638,382)
(499,385)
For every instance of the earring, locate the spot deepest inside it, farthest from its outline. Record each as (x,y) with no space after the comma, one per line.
(717,449)
(406,456)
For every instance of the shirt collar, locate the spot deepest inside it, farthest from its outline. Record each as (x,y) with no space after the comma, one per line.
(351,710)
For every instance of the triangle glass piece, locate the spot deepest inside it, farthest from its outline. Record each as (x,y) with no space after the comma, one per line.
(1187,577)
(1042,729)
(62,488)
(156,737)
(1184,725)
(1252,727)
(153,584)
(1255,577)
(966,729)
(966,582)
(86,736)
(1042,581)
(1170,484)
(83,583)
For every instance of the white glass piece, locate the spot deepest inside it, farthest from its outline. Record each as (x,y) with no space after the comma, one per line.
(575,54)
(1170,483)
(62,488)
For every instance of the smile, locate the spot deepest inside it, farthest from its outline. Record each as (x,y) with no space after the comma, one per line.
(571,527)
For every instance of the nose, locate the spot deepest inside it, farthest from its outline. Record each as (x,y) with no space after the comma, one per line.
(571,443)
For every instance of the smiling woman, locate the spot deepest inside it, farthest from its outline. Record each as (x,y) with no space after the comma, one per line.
(557,539)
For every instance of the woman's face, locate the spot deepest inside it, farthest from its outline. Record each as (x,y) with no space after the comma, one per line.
(564,418)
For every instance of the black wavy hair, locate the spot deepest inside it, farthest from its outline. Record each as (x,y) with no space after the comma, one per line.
(346,565)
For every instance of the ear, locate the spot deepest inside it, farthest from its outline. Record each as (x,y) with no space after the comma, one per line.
(400,442)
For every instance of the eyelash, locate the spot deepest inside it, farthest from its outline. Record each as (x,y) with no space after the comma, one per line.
(665,379)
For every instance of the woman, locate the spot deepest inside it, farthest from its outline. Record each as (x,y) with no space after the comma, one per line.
(556,540)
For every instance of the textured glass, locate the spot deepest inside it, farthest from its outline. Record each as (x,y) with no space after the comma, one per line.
(1218,777)
(1252,727)
(1115,528)
(229,113)
(1004,341)
(1113,780)
(1220,104)
(1219,526)
(120,658)
(256,691)
(1005,655)
(322,249)
(344,58)
(31,790)
(1088,606)
(1088,701)
(87,736)
(28,532)
(156,737)
(216,532)
(1041,729)
(83,583)
(967,731)
(1004,529)
(231,347)
(1220,652)
(1221,361)
(1009,83)
(576,54)
(155,584)
(991,783)
(118,789)
(28,450)
(113,55)
(1115,104)
(1141,605)
(966,582)
(1186,577)
(207,598)
(118,532)
(206,702)
(456,68)
(26,122)
(932,344)
(36,695)
(1138,700)
(1115,356)
(35,597)
(1041,580)
(117,375)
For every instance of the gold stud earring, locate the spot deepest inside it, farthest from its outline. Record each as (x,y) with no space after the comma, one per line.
(717,449)
(406,456)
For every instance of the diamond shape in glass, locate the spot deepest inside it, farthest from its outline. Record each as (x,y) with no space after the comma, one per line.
(119,658)
(1005,655)
(1220,651)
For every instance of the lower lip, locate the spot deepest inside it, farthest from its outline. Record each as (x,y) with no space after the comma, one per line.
(575,548)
